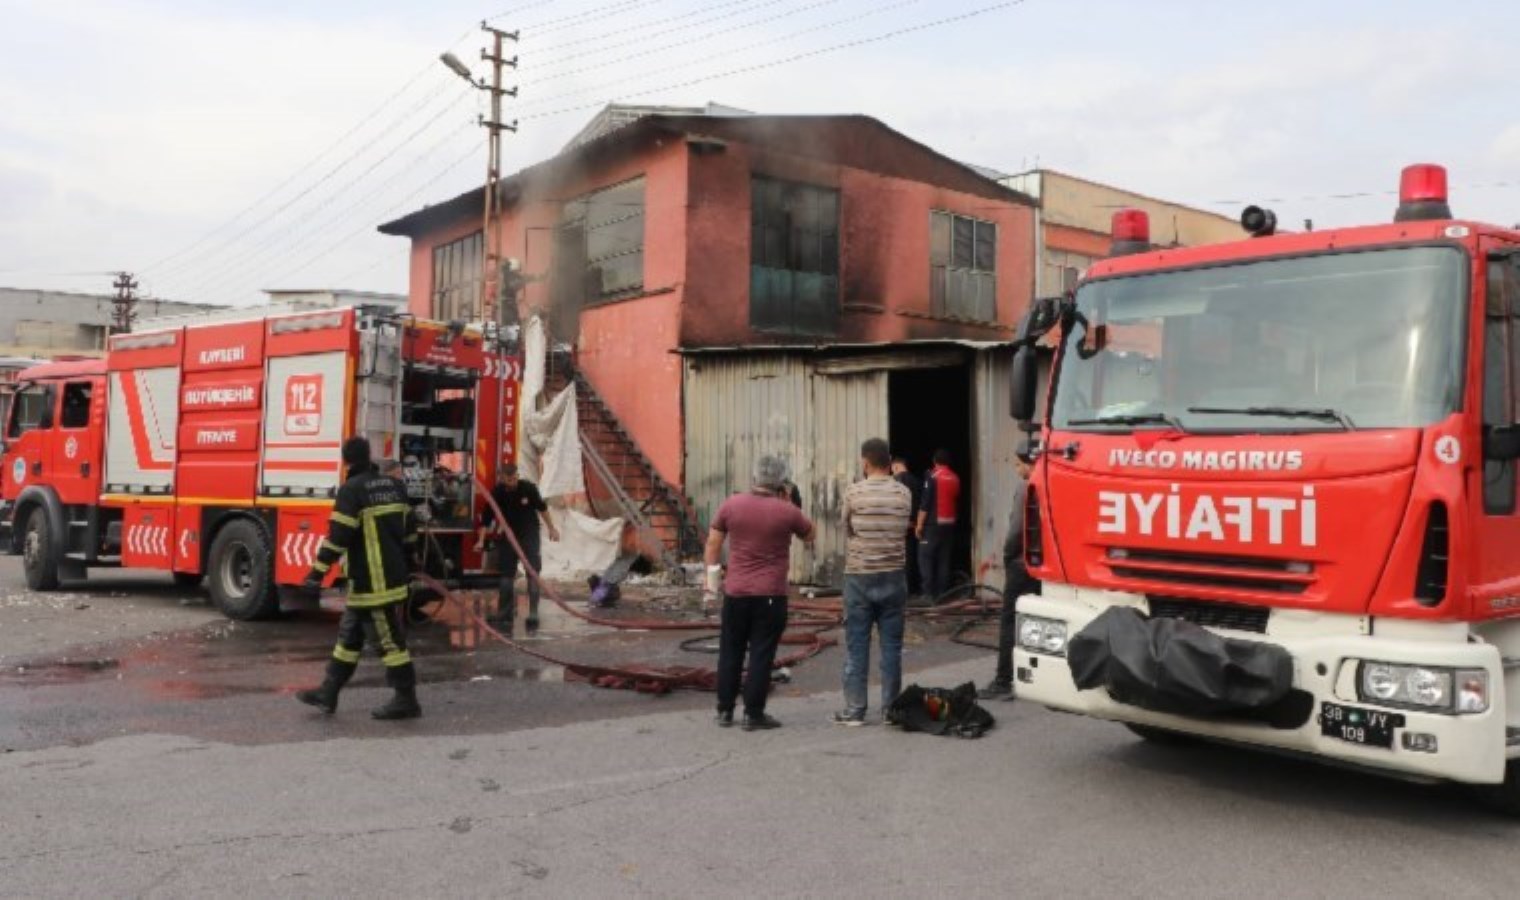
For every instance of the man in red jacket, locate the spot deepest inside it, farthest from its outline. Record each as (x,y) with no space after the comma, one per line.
(936,523)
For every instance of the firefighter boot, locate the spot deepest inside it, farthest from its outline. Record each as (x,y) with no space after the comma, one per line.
(403,703)
(325,697)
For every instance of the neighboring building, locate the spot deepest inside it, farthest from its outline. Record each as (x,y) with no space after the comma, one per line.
(44,324)
(1074,221)
(328,298)
(740,284)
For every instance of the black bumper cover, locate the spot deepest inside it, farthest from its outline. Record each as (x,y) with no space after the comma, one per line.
(1175,666)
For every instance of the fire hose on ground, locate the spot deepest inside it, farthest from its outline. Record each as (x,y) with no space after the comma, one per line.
(806,632)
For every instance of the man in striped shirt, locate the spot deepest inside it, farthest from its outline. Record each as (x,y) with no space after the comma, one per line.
(876,513)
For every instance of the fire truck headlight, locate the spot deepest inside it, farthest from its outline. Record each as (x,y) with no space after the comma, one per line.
(1472,691)
(1039,635)
(1429,687)
(1425,687)
(1380,681)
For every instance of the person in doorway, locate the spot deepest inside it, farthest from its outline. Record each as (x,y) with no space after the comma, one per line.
(758,526)
(370,512)
(876,513)
(523,506)
(1016,581)
(935,525)
(907,479)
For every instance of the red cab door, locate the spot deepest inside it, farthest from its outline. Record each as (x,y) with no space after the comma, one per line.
(27,458)
(75,443)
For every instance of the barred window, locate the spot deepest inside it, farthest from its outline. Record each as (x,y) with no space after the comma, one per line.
(962,267)
(610,226)
(457,269)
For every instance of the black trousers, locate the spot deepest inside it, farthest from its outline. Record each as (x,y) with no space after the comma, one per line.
(382,627)
(507,563)
(1016,583)
(915,577)
(753,624)
(935,553)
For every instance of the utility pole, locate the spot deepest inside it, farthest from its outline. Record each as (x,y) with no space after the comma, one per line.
(490,239)
(124,304)
(494,126)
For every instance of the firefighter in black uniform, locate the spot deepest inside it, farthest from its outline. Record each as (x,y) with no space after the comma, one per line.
(369,526)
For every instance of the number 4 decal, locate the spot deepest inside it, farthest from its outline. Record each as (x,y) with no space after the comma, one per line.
(303,404)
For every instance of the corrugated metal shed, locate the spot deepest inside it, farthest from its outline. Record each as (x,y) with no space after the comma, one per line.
(815,407)
(742,406)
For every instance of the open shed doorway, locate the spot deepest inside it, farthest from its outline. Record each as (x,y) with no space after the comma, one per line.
(929,409)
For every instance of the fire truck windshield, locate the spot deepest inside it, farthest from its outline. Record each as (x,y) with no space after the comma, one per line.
(1367,339)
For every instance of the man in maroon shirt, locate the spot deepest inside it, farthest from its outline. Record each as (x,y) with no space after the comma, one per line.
(935,529)
(759,526)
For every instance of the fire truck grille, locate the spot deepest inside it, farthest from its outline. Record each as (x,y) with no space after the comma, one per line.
(1271,576)
(1234,616)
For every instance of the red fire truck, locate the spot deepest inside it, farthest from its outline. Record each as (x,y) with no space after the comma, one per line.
(1276,503)
(210,450)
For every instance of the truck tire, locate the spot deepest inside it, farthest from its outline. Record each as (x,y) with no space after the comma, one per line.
(39,551)
(1161,736)
(240,572)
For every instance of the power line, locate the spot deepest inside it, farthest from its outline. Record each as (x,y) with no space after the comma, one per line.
(358,126)
(649,51)
(796,57)
(653,23)
(307,191)
(390,211)
(724,54)
(575,19)
(238,265)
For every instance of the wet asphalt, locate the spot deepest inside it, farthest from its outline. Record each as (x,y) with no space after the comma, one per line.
(233,682)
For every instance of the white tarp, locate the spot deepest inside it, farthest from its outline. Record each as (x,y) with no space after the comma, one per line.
(535,356)
(585,545)
(554,446)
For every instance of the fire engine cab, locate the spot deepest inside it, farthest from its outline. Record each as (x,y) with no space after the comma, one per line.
(210,449)
(1276,501)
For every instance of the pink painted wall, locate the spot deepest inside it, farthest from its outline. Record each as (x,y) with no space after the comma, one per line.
(630,335)
(700,296)
(626,349)
(884,252)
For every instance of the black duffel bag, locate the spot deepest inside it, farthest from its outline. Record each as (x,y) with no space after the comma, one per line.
(1174,666)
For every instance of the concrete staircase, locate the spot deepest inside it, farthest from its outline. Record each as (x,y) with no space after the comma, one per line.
(620,480)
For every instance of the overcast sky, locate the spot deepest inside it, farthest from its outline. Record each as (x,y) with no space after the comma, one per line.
(217,147)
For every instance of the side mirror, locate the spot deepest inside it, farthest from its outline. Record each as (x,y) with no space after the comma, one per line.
(1023,382)
(1502,443)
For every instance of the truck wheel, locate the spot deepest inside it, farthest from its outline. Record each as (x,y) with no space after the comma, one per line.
(1161,735)
(39,552)
(241,572)
(1504,798)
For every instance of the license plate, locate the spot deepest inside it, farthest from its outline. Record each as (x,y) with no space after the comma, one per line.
(1354,725)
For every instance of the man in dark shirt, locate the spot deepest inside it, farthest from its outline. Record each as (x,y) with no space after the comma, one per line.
(907,479)
(937,518)
(1017,582)
(522,504)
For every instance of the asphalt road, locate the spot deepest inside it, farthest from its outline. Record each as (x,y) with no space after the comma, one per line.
(182,769)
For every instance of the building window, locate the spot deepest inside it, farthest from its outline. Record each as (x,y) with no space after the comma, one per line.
(457,269)
(962,267)
(608,227)
(794,257)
